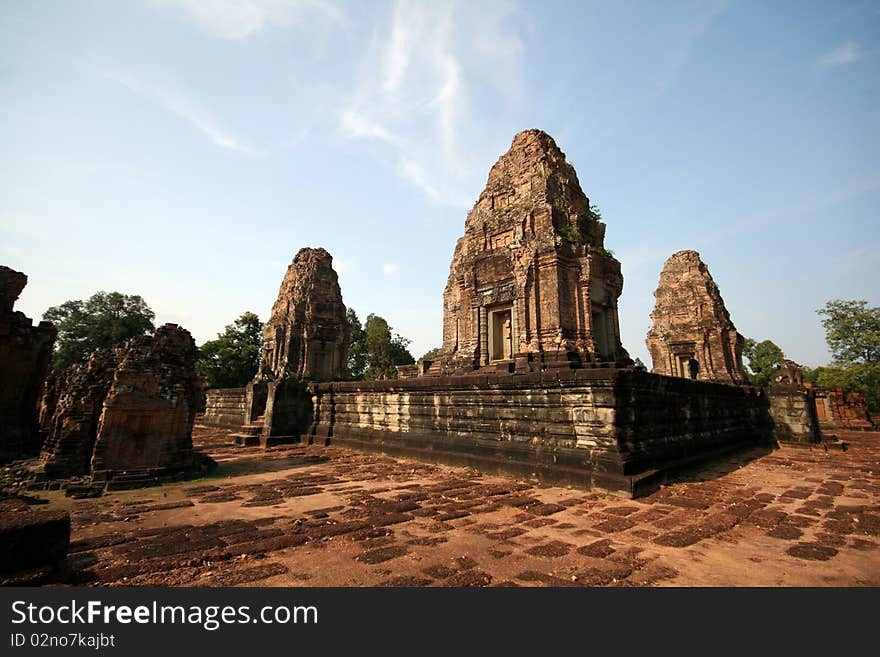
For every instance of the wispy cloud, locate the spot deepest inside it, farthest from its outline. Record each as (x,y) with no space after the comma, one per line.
(846,54)
(239,19)
(390,268)
(417,86)
(699,23)
(187,109)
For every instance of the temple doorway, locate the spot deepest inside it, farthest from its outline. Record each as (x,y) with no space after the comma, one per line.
(500,338)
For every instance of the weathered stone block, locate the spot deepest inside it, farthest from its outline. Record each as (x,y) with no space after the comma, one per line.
(31,537)
(25,351)
(793,411)
(225,407)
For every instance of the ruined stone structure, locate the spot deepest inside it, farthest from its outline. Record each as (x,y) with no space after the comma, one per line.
(531,284)
(53,385)
(788,373)
(25,351)
(225,407)
(306,339)
(126,414)
(68,448)
(793,413)
(692,335)
(837,410)
(611,429)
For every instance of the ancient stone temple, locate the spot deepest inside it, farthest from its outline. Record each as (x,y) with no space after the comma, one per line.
(531,284)
(306,339)
(126,414)
(307,336)
(25,351)
(692,335)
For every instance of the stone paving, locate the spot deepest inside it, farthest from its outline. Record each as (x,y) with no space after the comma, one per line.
(305,515)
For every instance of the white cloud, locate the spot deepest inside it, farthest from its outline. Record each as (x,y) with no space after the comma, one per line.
(239,19)
(343,267)
(418,83)
(703,15)
(186,109)
(390,268)
(846,54)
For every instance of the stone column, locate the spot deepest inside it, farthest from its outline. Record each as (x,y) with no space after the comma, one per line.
(514,327)
(484,336)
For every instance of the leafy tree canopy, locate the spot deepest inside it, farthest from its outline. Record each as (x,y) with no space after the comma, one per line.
(106,320)
(852,330)
(858,376)
(639,365)
(357,351)
(431,355)
(764,359)
(231,360)
(384,351)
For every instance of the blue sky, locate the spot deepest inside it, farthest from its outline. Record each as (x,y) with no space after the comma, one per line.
(184,150)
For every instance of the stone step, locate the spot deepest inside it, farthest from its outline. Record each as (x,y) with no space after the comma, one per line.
(245,439)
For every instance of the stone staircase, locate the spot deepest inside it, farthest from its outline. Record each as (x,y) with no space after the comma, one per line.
(249,434)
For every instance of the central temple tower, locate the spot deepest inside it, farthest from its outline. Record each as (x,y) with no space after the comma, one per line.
(531,284)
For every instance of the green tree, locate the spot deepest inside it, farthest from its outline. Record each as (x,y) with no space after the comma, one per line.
(764,359)
(357,350)
(852,331)
(231,360)
(639,365)
(105,320)
(384,351)
(432,354)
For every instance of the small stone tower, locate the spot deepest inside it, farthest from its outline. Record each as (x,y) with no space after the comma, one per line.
(692,335)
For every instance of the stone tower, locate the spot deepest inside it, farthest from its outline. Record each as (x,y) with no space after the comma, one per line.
(692,335)
(25,351)
(531,284)
(307,335)
(306,339)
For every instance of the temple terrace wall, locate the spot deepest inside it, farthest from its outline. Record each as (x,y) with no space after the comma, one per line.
(609,429)
(225,407)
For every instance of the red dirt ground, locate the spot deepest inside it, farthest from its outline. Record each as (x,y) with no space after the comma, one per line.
(305,515)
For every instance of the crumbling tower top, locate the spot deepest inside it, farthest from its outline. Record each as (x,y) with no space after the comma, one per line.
(530,283)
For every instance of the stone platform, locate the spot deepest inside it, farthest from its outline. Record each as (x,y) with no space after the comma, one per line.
(609,429)
(310,515)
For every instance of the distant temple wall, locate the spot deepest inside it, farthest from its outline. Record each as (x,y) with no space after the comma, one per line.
(602,428)
(225,407)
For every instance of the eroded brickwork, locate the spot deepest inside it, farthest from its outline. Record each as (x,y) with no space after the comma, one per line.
(25,351)
(128,412)
(307,336)
(838,410)
(68,448)
(148,413)
(692,335)
(306,339)
(530,280)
